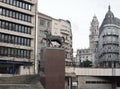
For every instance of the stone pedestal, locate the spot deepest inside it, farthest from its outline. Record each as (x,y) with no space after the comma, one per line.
(52,68)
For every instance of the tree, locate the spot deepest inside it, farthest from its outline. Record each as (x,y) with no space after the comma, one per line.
(86,63)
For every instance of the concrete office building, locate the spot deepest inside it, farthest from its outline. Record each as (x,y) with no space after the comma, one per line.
(17,36)
(109,41)
(62,28)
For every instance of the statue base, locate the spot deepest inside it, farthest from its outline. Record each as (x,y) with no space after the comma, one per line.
(52,68)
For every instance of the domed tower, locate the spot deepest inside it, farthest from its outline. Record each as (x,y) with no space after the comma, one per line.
(108,45)
(93,37)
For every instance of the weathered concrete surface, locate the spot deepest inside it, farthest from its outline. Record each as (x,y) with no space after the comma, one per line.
(21,82)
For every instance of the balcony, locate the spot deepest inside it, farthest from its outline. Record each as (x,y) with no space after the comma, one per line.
(113,42)
(111,34)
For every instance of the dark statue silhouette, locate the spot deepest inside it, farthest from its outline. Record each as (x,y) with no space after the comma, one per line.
(51,38)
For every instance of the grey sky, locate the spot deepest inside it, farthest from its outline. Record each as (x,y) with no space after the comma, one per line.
(80,14)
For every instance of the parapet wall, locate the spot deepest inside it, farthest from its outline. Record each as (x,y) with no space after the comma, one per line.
(21,82)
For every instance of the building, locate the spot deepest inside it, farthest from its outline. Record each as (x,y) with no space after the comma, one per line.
(109,41)
(89,54)
(62,28)
(17,36)
(83,55)
(93,38)
(44,23)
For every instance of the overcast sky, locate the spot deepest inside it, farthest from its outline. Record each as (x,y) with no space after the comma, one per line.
(80,14)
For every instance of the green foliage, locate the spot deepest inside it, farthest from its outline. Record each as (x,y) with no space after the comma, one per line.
(86,63)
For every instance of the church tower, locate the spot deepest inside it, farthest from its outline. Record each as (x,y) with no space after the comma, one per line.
(93,37)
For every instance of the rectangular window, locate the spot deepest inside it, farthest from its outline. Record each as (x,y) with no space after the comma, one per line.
(7,1)
(26,18)
(4,1)
(7,13)
(23,17)
(9,38)
(6,25)
(22,53)
(14,2)
(19,41)
(12,52)
(18,52)
(42,22)
(10,13)
(10,26)
(13,27)
(0,24)
(17,27)
(29,18)
(17,16)
(8,51)
(17,3)
(20,5)
(13,14)
(13,39)
(20,28)
(20,16)
(25,53)
(0,11)
(29,7)
(23,6)
(3,12)
(3,24)
(11,2)
(16,41)
(23,29)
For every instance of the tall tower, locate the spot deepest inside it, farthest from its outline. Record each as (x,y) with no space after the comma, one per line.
(93,37)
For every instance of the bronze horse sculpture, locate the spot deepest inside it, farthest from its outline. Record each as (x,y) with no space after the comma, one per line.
(50,38)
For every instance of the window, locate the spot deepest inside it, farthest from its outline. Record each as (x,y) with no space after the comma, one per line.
(13,14)
(0,11)
(17,3)
(42,22)
(3,12)
(20,5)
(17,17)
(11,2)
(15,27)
(7,1)
(20,28)
(10,13)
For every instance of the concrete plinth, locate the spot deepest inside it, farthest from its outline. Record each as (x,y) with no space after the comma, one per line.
(52,68)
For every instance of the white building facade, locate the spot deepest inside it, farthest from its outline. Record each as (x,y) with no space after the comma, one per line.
(109,41)
(44,22)
(62,28)
(83,55)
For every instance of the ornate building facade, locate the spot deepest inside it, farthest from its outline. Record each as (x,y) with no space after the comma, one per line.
(93,38)
(109,41)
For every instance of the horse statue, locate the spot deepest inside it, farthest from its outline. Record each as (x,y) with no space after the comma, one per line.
(50,38)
